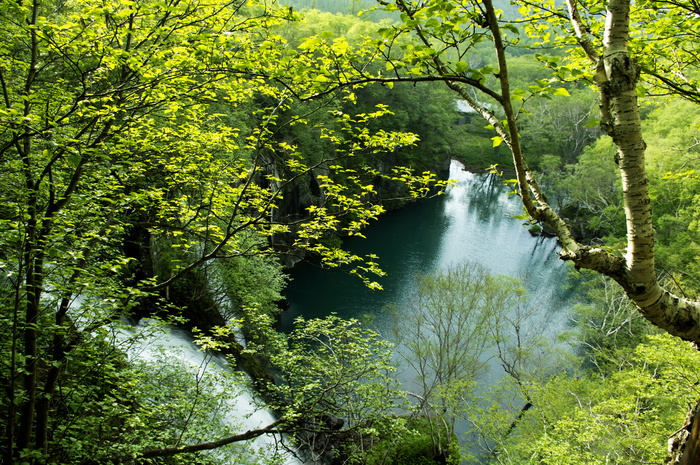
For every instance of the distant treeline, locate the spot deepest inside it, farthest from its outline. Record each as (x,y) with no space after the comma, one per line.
(332,6)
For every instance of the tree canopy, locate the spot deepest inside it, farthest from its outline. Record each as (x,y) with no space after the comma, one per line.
(140,145)
(151,148)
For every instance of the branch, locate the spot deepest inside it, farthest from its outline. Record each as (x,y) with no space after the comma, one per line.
(684,91)
(171,451)
(581,31)
(384,80)
(521,168)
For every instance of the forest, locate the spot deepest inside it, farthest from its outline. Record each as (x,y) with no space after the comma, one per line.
(165,163)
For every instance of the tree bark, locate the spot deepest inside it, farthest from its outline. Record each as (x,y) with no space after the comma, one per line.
(32,257)
(617,78)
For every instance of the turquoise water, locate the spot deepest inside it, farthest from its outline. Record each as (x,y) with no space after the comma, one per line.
(472,222)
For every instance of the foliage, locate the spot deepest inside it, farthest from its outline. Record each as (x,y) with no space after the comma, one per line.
(672,137)
(334,370)
(138,156)
(605,403)
(413,447)
(111,406)
(621,417)
(443,334)
(252,282)
(559,126)
(588,193)
(608,327)
(425,110)
(353,7)
(184,396)
(354,358)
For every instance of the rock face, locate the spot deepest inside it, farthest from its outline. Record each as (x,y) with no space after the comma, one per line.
(305,191)
(297,197)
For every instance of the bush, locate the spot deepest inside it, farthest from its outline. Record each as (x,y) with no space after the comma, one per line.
(413,447)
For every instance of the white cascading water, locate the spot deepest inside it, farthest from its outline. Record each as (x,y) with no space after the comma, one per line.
(156,344)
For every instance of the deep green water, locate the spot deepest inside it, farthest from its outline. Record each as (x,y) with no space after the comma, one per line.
(472,222)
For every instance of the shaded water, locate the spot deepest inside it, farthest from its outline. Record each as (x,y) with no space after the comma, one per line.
(472,222)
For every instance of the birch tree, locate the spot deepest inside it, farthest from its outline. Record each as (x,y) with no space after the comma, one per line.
(445,31)
(622,50)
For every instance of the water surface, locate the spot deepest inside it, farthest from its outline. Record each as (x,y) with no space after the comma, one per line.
(472,222)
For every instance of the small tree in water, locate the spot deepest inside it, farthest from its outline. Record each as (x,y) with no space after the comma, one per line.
(443,336)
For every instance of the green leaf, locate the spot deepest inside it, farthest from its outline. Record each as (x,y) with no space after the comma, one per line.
(518,94)
(461,66)
(511,28)
(310,43)
(432,23)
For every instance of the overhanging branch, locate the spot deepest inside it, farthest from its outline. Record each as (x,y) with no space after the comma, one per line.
(272,428)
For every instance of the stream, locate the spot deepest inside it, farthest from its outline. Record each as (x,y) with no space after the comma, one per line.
(472,223)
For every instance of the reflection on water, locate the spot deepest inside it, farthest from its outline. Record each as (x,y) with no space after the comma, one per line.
(472,222)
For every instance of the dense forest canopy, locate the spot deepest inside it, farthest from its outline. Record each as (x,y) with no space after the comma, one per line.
(161,161)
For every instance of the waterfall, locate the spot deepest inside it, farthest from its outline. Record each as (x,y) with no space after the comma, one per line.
(155,348)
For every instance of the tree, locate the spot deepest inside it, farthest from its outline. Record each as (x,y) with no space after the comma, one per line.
(435,26)
(621,414)
(137,148)
(336,381)
(612,38)
(559,126)
(444,335)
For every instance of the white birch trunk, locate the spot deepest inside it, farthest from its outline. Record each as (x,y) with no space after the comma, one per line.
(622,121)
(616,77)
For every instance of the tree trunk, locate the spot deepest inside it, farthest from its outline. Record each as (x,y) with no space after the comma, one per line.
(684,445)
(617,80)
(616,76)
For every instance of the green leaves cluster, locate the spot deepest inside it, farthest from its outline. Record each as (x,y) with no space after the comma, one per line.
(335,385)
(619,416)
(142,151)
(335,367)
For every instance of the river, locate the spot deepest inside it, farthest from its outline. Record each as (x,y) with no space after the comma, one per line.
(472,222)
(159,350)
